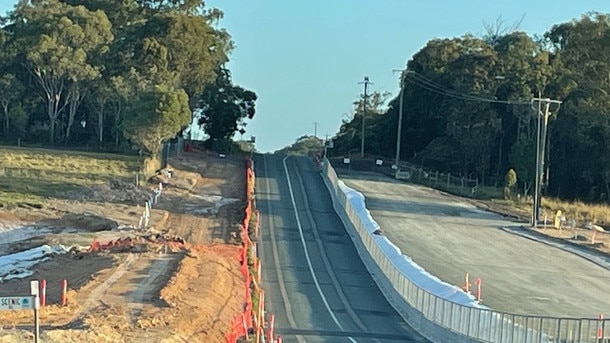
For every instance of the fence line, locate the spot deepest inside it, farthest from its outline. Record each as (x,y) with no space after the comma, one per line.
(445,181)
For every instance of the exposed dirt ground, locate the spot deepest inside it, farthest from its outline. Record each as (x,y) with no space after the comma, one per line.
(157,293)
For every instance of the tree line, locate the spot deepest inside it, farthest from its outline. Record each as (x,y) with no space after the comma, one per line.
(117,74)
(467,108)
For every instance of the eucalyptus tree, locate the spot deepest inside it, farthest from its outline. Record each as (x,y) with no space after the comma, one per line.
(350,133)
(446,113)
(581,167)
(525,70)
(54,42)
(11,92)
(223,106)
(156,115)
(175,43)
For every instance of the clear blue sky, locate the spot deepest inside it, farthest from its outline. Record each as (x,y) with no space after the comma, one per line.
(304,59)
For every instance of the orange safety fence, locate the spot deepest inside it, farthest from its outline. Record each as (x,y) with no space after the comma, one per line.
(242,324)
(251,320)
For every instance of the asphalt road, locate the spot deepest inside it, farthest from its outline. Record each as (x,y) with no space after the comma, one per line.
(314,281)
(449,237)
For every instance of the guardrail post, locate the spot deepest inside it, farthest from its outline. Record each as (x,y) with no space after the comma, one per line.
(434,309)
(501,327)
(451,315)
(468,310)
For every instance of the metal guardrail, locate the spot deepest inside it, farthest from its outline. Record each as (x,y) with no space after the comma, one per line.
(483,325)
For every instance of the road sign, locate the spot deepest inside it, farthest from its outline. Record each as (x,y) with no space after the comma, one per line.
(17,303)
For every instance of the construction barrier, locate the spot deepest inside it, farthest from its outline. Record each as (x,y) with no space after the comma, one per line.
(251,320)
(243,323)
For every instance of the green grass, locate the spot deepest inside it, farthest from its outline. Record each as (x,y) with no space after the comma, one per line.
(31,175)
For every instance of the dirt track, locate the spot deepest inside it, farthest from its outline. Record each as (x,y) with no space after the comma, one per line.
(161,295)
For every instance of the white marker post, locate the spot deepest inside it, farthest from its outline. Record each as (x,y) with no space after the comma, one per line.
(34,291)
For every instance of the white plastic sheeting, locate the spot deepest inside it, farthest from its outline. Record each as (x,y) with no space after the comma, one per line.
(18,265)
(418,275)
(10,233)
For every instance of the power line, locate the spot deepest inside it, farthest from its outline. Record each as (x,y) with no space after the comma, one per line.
(434,87)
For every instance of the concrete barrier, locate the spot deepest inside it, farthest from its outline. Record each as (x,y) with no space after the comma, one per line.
(350,218)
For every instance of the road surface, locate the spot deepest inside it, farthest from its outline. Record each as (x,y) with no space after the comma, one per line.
(449,237)
(314,281)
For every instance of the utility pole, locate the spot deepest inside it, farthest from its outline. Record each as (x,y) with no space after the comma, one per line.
(543,121)
(400,113)
(315,129)
(366,84)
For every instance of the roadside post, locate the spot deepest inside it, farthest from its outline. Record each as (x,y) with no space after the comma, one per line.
(29,302)
(34,291)
(478,282)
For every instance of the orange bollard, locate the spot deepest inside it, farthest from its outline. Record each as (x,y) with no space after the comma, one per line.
(258,222)
(244,323)
(64,292)
(478,283)
(467,284)
(43,292)
(600,327)
(259,315)
(258,272)
(270,330)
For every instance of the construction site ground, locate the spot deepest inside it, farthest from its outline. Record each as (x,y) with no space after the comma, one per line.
(153,289)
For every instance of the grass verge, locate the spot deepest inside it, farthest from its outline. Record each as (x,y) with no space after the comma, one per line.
(29,176)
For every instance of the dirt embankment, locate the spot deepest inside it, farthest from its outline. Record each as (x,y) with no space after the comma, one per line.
(159,293)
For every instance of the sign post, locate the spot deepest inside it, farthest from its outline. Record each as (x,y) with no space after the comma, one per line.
(30,302)
(34,291)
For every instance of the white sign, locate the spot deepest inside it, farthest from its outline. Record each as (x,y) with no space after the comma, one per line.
(346,161)
(379,162)
(34,287)
(17,303)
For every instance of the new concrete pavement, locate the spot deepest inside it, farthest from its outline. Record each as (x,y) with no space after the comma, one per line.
(314,280)
(449,237)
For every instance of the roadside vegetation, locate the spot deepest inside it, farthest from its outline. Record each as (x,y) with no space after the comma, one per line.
(120,76)
(469,110)
(303,146)
(28,176)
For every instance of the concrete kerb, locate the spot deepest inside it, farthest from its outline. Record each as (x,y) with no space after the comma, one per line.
(413,317)
(590,254)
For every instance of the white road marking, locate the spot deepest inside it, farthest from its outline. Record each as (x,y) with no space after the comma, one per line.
(309,264)
(276,258)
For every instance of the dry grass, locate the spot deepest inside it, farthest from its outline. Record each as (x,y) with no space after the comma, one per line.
(31,175)
(48,163)
(580,211)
